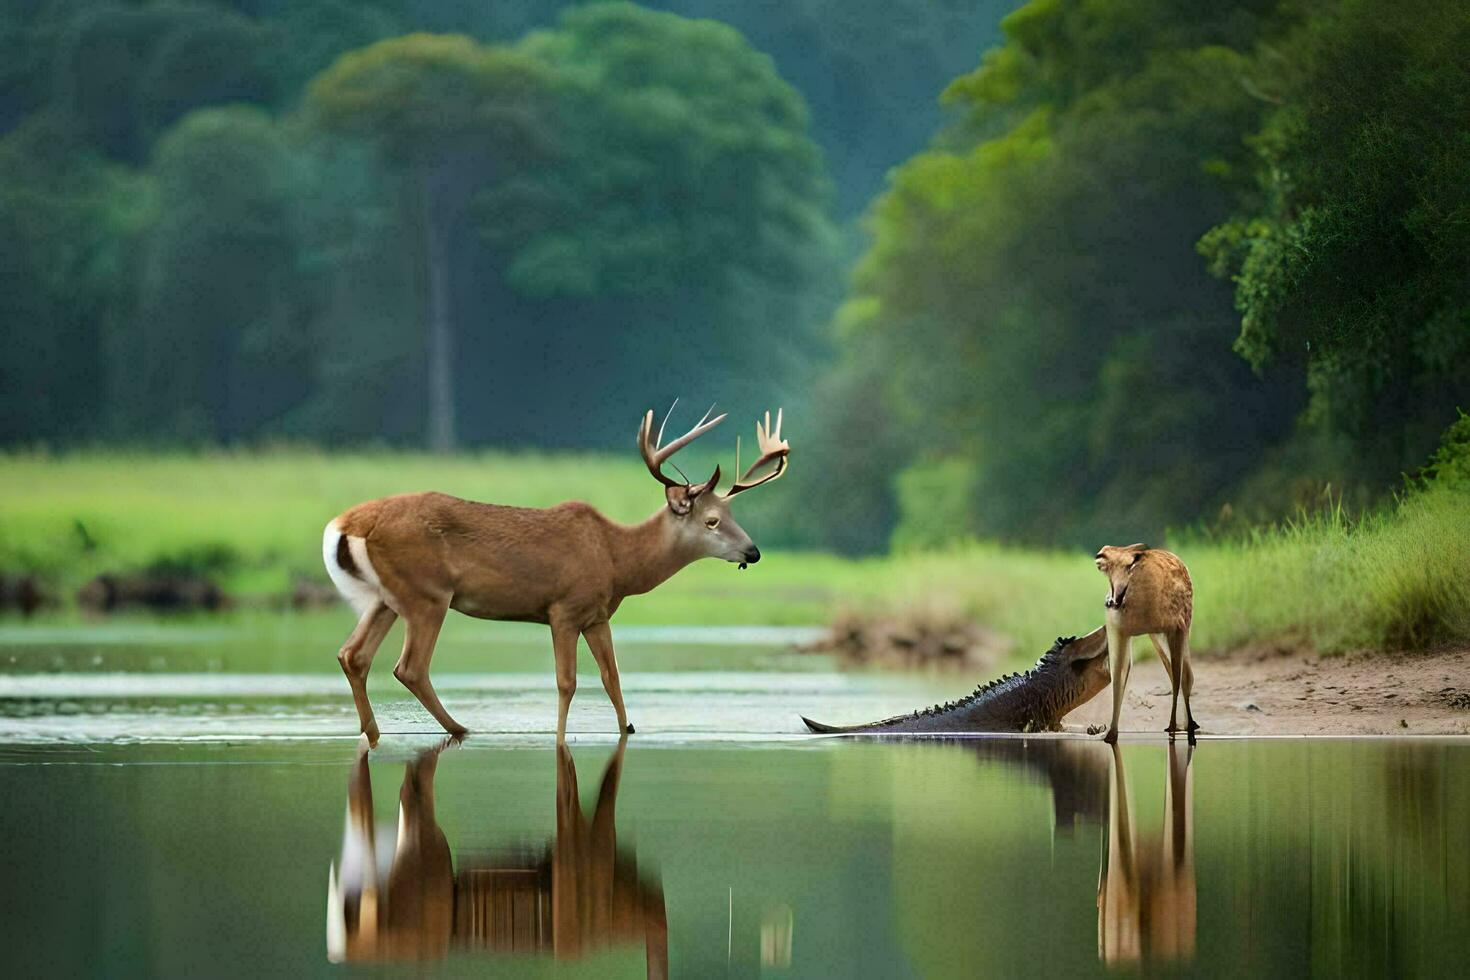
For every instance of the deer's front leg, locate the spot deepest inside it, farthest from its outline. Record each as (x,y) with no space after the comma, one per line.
(564,645)
(1120,659)
(599,638)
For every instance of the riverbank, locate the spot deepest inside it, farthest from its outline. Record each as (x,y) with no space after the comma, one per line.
(1262,691)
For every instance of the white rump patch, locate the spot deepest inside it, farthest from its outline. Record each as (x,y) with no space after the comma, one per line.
(362,595)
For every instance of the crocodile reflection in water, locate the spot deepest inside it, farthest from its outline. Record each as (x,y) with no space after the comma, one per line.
(577,895)
(1146,894)
(1076,771)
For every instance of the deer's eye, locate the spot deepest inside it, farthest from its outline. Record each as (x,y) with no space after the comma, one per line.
(711,522)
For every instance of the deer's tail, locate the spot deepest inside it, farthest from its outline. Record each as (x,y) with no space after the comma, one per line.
(347,563)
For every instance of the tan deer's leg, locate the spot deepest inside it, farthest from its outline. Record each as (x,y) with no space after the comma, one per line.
(356,658)
(1120,656)
(1167,647)
(1179,647)
(1163,651)
(564,646)
(599,638)
(423,620)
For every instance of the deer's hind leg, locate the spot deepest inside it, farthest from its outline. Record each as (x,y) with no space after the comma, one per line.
(1162,649)
(423,619)
(1176,643)
(599,638)
(1179,651)
(1164,644)
(564,646)
(356,658)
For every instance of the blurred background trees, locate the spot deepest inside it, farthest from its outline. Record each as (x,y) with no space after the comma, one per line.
(1058,272)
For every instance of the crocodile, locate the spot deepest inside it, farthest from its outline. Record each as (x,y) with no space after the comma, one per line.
(1071,673)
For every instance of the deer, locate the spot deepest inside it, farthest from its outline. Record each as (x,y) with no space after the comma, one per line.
(569,567)
(1149,593)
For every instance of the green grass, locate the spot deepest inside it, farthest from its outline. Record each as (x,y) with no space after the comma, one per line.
(267,510)
(1399,578)
(1395,579)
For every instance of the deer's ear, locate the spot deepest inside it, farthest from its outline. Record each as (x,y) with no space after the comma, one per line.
(679,499)
(707,485)
(1138,550)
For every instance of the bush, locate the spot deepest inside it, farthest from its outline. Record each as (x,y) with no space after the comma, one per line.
(1449,467)
(934,505)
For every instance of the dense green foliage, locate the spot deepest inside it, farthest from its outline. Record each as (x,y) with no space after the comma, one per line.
(1352,250)
(1035,290)
(228,221)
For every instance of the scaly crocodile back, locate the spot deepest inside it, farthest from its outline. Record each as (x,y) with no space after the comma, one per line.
(1031,702)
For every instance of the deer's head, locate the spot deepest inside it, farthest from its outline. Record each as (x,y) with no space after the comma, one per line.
(1117,564)
(701,515)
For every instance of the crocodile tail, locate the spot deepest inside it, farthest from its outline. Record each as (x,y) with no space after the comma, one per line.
(820,728)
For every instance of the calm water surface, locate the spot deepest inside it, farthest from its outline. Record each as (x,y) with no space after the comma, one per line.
(198,822)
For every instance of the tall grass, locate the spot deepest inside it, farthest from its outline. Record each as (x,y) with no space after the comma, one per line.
(1394,579)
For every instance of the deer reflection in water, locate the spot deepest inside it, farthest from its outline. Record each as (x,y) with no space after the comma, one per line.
(578,895)
(1146,893)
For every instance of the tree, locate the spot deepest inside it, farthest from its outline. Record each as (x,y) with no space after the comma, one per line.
(1032,287)
(683,157)
(126,73)
(450,116)
(678,241)
(68,220)
(221,350)
(1352,243)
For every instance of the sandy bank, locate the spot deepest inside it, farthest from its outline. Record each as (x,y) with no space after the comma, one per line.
(1255,692)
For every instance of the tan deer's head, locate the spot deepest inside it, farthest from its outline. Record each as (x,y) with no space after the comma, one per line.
(1117,564)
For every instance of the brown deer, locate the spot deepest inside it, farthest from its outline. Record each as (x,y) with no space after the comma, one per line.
(420,555)
(1149,592)
(578,894)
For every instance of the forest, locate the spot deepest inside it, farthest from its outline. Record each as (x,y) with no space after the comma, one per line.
(1047,274)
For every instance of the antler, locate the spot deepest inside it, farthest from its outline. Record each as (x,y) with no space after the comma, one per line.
(655,455)
(772,449)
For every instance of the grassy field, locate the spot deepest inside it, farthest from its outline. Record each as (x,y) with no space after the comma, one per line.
(1396,579)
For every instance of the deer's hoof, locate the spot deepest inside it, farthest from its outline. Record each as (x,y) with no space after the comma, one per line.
(1111,737)
(629,729)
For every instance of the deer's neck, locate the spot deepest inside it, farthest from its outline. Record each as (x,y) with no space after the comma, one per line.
(646,555)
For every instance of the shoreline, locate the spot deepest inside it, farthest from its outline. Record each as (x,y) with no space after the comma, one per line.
(1270,692)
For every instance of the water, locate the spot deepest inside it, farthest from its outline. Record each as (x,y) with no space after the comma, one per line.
(192,822)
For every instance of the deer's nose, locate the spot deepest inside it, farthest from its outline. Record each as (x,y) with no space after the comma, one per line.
(752,555)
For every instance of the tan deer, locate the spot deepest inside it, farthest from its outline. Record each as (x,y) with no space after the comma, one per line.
(1149,592)
(420,555)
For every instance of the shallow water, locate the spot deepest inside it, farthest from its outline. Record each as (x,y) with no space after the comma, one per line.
(191,822)
(823,857)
